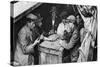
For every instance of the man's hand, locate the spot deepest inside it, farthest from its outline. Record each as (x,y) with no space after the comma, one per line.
(35,42)
(51,32)
(63,43)
(41,37)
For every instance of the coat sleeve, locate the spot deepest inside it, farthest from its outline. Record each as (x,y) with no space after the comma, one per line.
(24,42)
(73,40)
(22,37)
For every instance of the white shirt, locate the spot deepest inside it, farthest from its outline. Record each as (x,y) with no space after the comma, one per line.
(61,28)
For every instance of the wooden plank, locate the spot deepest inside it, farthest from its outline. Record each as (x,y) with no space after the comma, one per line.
(42,58)
(50,51)
(23,13)
(46,58)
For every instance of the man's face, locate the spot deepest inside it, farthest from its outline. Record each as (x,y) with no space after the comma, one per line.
(39,23)
(31,24)
(69,26)
(64,21)
(69,21)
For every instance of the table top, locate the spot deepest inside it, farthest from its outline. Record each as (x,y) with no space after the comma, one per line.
(52,44)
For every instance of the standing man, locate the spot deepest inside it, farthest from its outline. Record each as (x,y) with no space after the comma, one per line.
(24,53)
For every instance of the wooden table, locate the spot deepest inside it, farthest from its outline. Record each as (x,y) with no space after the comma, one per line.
(50,52)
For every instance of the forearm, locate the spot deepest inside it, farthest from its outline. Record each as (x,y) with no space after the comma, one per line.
(69,45)
(28,49)
(74,39)
(45,38)
(66,45)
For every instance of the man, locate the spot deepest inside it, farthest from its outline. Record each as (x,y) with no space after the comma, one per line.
(26,41)
(69,38)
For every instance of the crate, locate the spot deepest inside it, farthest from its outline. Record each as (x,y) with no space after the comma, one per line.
(50,52)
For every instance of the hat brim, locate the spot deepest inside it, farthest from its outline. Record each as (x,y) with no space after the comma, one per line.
(37,20)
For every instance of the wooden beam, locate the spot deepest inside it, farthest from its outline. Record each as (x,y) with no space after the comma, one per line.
(17,15)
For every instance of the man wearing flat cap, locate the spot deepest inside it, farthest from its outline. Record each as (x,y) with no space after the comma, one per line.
(69,37)
(27,39)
